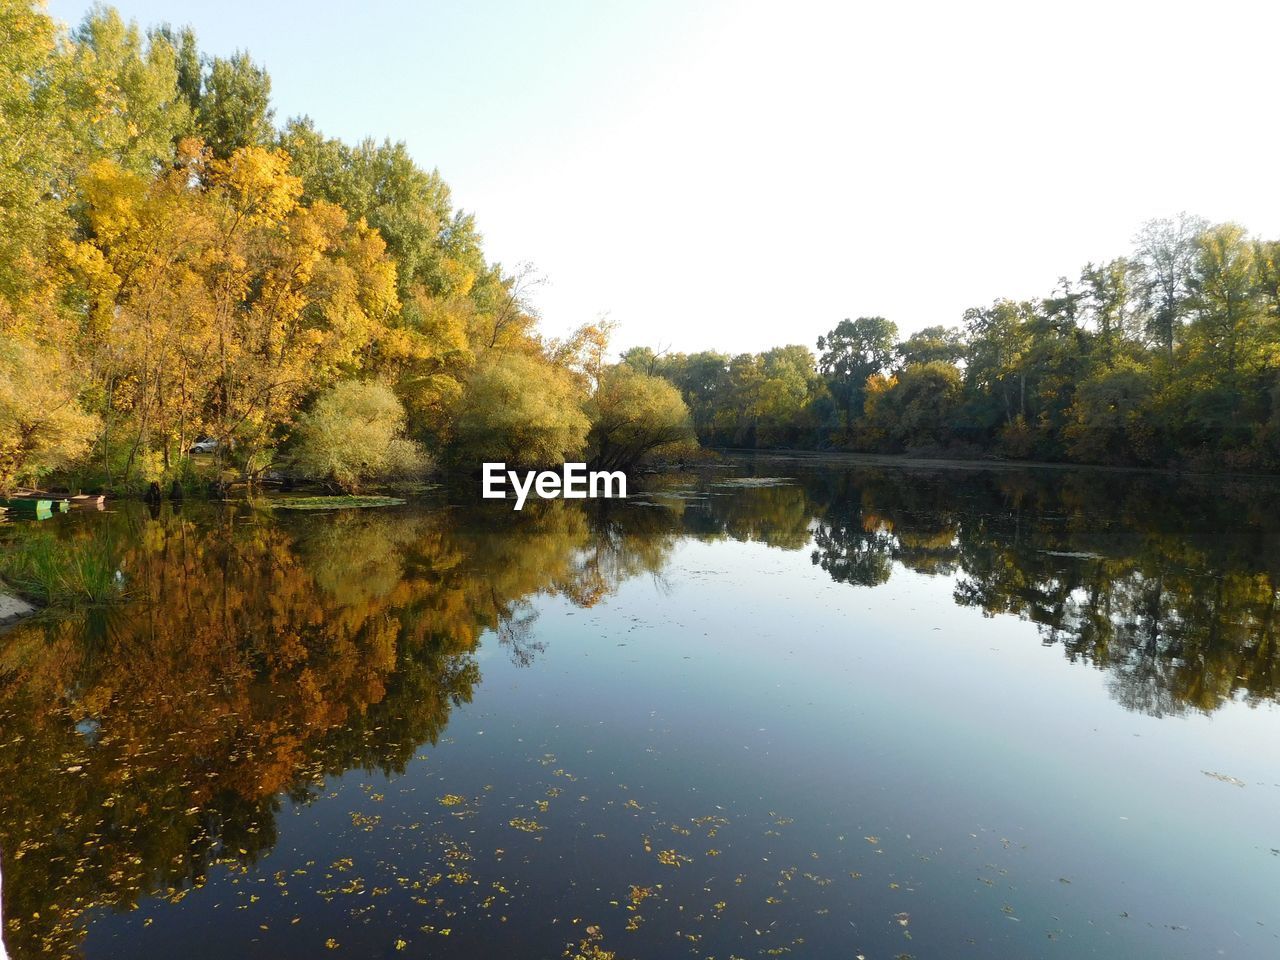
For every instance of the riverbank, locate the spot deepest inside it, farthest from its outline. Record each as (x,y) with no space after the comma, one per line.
(906,460)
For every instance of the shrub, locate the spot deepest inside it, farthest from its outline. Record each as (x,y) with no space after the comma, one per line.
(633,414)
(353,434)
(519,409)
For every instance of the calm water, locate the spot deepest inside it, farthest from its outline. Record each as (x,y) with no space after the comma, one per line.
(784,709)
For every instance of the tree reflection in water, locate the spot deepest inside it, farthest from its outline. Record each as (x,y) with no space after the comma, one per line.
(257,656)
(142,744)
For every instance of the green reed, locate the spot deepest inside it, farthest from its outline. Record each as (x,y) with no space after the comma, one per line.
(60,572)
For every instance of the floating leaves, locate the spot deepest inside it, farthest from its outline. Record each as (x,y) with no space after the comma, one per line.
(639,895)
(589,947)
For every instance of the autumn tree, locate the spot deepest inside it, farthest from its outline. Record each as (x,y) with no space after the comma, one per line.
(914,408)
(353,434)
(150,311)
(42,423)
(632,415)
(519,409)
(297,292)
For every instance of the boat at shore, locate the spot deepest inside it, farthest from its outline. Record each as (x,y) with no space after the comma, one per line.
(43,505)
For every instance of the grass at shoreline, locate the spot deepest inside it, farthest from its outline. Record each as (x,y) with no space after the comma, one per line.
(52,572)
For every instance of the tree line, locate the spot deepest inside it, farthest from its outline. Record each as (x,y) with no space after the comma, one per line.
(176,267)
(1170,586)
(1168,357)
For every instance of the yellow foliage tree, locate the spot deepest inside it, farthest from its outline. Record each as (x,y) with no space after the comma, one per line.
(42,425)
(355,433)
(520,409)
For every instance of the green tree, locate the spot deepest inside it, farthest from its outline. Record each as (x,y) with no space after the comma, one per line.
(125,86)
(995,371)
(1164,262)
(1108,306)
(942,343)
(409,206)
(1230,339)
(852,352)
(789,397)
(632,415)
(518,409)
(353,434)
(235,105)
(1111,418)
(36,148)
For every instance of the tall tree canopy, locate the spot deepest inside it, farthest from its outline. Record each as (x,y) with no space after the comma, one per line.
(852,352)
(173,268)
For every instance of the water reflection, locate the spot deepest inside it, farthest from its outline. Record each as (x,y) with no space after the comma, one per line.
(142,745)
(1170,586)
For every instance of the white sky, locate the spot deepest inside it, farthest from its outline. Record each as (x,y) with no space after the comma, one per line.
(738,175)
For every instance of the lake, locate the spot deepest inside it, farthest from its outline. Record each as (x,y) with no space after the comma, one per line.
(778,708)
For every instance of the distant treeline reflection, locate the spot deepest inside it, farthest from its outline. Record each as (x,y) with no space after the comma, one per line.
(1170,586)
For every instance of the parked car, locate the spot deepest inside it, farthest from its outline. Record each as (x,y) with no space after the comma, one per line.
(205,446)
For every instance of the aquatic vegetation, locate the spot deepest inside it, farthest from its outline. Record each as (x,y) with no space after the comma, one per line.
(332,503)
(589,947)
(752,483)
(61,571)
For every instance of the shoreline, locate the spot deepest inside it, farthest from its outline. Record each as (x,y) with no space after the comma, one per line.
(905,460)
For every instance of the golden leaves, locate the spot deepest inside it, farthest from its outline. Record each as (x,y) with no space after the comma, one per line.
(673,859)
(258,183)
